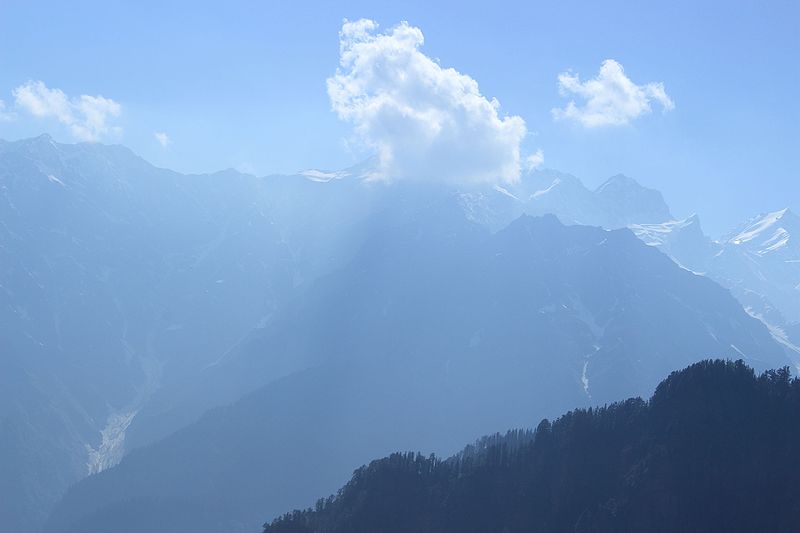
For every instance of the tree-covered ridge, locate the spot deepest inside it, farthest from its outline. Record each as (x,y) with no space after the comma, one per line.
(713,450)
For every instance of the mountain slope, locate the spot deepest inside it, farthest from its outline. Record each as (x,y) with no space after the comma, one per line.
(124,286)
(759,261)
(711,451)
(436,331)
(683,240)
(763,257)
(769,233)
(116,277)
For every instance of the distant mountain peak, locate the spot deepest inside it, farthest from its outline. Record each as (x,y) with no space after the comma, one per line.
(363,170)
(630,202)
(44,137)
(767,232)
(618,181)
(787,215)
(670,226)
(683,240)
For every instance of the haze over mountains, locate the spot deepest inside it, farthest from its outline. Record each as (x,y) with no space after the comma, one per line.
(117,277)
(134,299)
(436,331)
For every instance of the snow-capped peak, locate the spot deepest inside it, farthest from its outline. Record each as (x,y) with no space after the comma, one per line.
(542,192)
(322,176)
(657,234)
(619,181)
(766,233)
(365,170)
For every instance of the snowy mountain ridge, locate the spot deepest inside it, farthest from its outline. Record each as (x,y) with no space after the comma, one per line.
(768,233)
(759,261)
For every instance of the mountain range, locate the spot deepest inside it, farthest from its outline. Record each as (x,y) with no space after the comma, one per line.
(758,261)
(187,323)
(436,331)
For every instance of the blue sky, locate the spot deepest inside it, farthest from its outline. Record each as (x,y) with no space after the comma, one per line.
(243,84)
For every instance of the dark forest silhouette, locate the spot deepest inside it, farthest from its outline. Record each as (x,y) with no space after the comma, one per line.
(713,450)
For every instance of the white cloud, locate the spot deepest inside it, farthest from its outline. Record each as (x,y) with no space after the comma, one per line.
(86,116)
(162,138)
(610,99)
(423,120)
(535,160)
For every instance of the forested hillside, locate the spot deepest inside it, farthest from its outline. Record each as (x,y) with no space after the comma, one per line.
(713,450)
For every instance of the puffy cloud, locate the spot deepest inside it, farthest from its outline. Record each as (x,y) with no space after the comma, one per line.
(535,160)
(423,120)
(610,99)
(86,116)
(162,138)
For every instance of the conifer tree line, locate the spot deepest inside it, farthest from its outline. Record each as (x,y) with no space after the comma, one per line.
(714,449)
